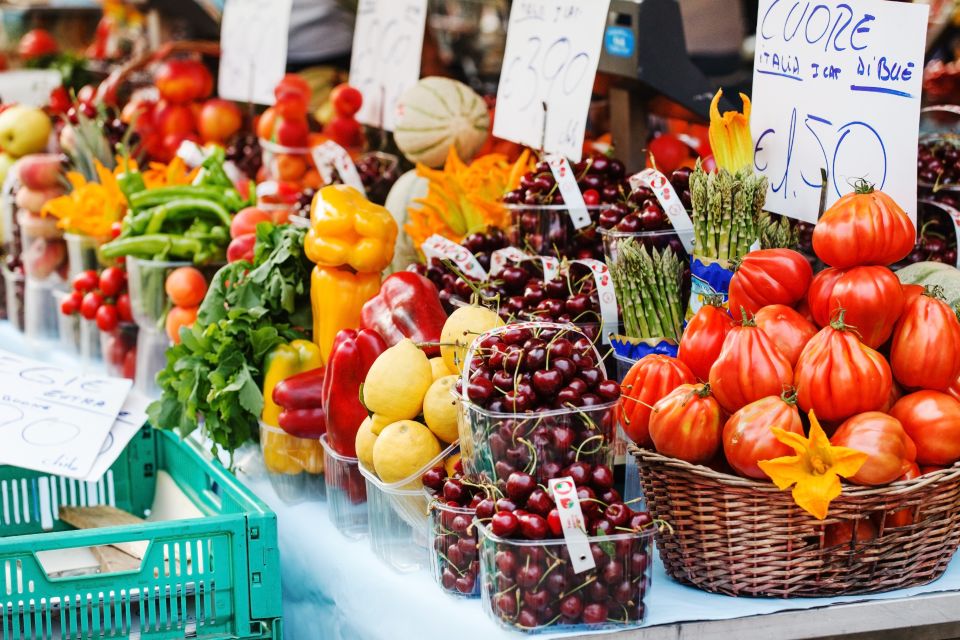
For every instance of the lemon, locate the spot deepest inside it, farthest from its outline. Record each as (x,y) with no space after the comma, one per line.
(460,329)
(439,368)
(378,422)
(364,443)
(440,409)
(450,463)
(402,449)
(397,382)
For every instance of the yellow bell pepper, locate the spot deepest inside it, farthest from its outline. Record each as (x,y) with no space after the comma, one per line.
(337,297)
(284,361)
(347,230)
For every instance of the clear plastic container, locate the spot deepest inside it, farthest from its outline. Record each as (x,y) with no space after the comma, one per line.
(83,253)
(495,444)
(14,286)
(40,309)
(148,298)
(548,230)
(44,250)
(610,596)
(68,327)
(119,350)
(346,492)
(151,357)
(659,240)
(294,465)
(399,517)
(91,351)
(624,364)
(454,549)
(287,164)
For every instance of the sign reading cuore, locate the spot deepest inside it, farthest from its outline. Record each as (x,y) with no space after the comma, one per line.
(385,62)
(836,87)
(553,47)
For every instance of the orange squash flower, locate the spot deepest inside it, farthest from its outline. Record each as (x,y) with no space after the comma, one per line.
(815,471)
(91,208)
(729,135)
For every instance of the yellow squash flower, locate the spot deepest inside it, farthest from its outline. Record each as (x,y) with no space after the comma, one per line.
(816,469)
(91,208)
(730,137)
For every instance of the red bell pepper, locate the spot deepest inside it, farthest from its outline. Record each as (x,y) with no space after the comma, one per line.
(408,306)
(301,398)
(350,359)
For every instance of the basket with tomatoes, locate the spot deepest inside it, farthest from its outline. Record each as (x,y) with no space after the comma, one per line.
(842,387)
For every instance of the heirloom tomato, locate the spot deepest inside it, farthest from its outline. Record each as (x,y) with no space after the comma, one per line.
(925,352)
(750,367)
(789,330)
(873,300)
(686,424)
(748,434)
(889,449)
(932,420)
(818,296)
(865,227)
(845,532)
(769,276)
(703,338)
(649,380)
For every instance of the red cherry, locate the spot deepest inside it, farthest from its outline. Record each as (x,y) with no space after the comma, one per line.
(504,524)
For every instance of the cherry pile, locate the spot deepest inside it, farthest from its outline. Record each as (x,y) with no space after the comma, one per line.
(100,297)
(245,152)
(120,351)
(938,163)
(378,172)
(535,585)
(455,542)
(937,240)
(549,378)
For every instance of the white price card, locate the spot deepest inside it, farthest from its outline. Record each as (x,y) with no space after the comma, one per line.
(836,86)
(330,157)
(387,45)
(553,47)
(29,87)
(53,420)
(253,49)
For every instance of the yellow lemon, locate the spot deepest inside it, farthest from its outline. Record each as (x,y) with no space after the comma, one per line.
(364,443)
(460,329)
(378,422)
(402,449)
(450,463)
(397,382)
(440,409)
(439,368)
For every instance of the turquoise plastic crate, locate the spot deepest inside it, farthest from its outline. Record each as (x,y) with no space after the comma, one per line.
(213,578)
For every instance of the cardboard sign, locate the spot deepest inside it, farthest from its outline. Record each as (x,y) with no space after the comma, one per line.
(550,60)
(29,87)
(836,86)
(387,45)
(253,49)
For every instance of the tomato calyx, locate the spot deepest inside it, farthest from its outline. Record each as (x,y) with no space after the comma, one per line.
(934,291)
(862,187)
(713,300)
(839,325)
(748,318)
(702,392)
(789,395)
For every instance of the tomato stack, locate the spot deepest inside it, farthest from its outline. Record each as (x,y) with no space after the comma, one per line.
(876,362)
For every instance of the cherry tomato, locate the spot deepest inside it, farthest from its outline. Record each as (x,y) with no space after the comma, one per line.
(130,364)
(116,229)
(86,281)
(71,303)
(123,308)
(112,281)
(186,287)
(107,317)
(36,43)
(346,100)
(668,152)
(91,302)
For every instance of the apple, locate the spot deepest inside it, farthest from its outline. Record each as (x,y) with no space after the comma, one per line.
(40,171)
(183,81)
(291,133)
(24,130)
(174,119)
(219,120)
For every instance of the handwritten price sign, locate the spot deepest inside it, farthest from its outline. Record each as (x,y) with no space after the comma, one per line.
(387,44)
(253,49)
(836,86)
(550,59)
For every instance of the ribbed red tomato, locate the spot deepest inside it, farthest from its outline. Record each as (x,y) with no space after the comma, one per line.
(845,532)
(925,352)
(649,380)
(703,338)
(818,296)
(932,420)
(686,424)
(837,376)
(911,291)
(889,449)
(769,276)
(748,437)
(789,330)
(750,367)
(865,227)
(954,389)
(873,300)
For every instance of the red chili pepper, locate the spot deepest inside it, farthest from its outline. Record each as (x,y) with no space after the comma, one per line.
(304,423)
(350,359)
(408,306)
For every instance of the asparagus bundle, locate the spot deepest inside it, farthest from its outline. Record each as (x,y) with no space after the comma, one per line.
(726,207)
(777,232)
(648,289)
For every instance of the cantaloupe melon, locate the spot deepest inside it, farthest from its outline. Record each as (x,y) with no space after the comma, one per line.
(404,191)
(934,273)
(436,113)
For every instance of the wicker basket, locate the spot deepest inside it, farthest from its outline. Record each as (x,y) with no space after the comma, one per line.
(745,538)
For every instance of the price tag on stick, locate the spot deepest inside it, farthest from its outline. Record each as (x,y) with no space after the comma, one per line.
(330,157)
(567,184)
(573,524)
(667,197)
(253,49)
(836,86)
(437,246)
(550,60)
(387,45)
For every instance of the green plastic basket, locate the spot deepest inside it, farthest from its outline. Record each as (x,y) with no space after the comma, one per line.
(214,577)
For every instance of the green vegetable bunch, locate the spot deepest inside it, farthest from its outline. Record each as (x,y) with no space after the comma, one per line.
(648,288)
(214,376)
(726,207)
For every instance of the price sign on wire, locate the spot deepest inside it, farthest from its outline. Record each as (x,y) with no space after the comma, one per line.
(253,49)
(836,86)
(387,45)
(549,64)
